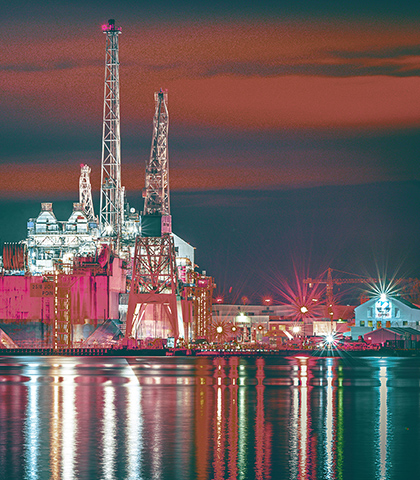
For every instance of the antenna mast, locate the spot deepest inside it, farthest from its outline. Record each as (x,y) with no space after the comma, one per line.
(110,219)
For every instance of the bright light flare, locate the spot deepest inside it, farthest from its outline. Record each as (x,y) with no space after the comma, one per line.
(220,330)
(302,298)
(330,340)
(385,287)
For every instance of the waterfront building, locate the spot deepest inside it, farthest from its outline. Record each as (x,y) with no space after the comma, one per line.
(258,322)
(398,337)
(385,312)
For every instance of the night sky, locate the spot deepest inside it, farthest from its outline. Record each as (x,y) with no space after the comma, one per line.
(294,133)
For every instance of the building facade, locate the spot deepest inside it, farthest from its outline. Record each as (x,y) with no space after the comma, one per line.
(385,312)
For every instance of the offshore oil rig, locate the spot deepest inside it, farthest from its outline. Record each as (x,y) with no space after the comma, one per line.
(121,278)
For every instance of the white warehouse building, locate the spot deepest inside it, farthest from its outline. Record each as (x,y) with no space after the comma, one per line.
(384,312)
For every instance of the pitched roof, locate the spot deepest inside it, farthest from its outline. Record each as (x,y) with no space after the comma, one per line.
(395,298)
(403,330)
(406,302)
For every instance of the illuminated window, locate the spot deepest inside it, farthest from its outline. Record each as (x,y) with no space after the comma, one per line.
(405,323)
(362,323)
(370,323)
(379,324)
(388,324)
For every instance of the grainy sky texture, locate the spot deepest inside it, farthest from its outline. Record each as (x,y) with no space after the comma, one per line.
(294,126)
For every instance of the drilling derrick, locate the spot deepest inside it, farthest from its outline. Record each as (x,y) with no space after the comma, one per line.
(110,219)
(85,192)
(154,307)
(156,217)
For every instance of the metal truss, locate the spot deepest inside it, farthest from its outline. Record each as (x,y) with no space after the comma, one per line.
(154,288)
(111,205)
(154,269)
(156,193)
(85,192)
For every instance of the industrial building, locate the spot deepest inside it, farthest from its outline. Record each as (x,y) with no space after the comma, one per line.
(252,323)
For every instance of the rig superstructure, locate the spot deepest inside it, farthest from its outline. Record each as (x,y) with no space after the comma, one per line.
(80,282)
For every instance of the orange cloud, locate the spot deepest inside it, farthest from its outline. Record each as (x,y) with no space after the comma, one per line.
(254,77)
(246,75)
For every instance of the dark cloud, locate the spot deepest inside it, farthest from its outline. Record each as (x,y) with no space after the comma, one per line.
(382,53)
(356,65)
(62,64)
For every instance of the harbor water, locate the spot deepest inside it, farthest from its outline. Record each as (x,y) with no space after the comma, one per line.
(209,418)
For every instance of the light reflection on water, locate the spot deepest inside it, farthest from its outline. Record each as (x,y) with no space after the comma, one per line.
(383,424)
(31,431)
(209,418)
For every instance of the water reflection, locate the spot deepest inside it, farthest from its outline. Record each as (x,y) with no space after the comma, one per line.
(108,433)
(383,423)
(134,425)
(237,418)
(329,423)
(300,419)
(55,431)
(31,431)
(69,425)
(233,419)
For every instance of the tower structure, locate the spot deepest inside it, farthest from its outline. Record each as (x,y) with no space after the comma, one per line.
(154,307)
(85,192)
(111,204)
(156,218)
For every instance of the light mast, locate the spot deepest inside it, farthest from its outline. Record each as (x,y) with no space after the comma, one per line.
(111,211)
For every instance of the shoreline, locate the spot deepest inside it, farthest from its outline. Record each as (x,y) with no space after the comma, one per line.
(104,352)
